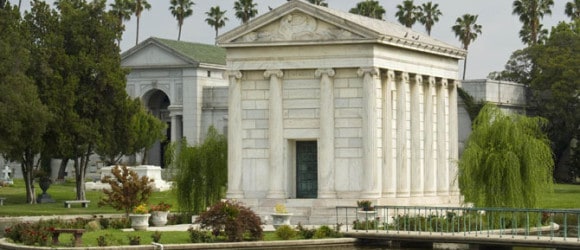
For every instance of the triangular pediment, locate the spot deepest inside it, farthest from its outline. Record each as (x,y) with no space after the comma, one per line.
(297,26)
(152,55)
(300,23)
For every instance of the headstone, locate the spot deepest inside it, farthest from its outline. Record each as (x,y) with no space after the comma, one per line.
(7,175)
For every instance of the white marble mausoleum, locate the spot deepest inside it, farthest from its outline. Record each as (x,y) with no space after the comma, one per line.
(327,108)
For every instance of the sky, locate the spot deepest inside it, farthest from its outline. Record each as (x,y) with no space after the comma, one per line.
(489,52)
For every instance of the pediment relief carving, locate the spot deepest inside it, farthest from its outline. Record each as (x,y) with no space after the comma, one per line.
(298,27)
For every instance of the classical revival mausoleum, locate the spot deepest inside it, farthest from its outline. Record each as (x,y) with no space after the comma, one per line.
(327,108)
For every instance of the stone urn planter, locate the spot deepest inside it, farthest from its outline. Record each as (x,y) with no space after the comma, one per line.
(280,219)
(159,218)
(139,222)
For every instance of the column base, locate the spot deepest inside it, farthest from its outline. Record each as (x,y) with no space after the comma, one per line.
(369,195)
(389,194)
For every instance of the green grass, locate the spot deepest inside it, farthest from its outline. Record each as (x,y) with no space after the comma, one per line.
(564,196)
(15,203)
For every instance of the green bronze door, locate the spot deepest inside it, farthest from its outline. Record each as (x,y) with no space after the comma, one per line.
(306,169)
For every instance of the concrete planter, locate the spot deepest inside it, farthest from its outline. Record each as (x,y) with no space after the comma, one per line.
(280,219)
(159,218)
(139,222)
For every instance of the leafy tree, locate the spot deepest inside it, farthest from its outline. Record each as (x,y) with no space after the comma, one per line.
(181,9)
(201,172)
(2,3)
(146,130)
(466,29)
(517,69)
(128,190)
(245,10)
(216,18)
(23,117)
(369,8)
(530,13)
(116,137)
(572,9)
(407,13)
(555,86)
(507,161)
(139,6)
(319,2)
(428,15)
(79,74)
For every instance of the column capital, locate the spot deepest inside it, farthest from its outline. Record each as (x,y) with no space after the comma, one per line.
(418,79)
(325,71)
(431,81)
(390,75)
(373,71)
(403,76)
(451,84)
(232,73)
(442,82)
(273,72)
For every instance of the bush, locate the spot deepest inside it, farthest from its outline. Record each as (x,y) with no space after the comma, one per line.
(199,236)
(305,232)
(29,233)
(285,232)
(127,189)
(156,236)
(105,240)
(232,217)
(325,232)
(93,226)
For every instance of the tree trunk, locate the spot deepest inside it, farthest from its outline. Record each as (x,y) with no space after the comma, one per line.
(179,36)
(80,170)
(464,66)
(62,169)
(137,36)
(27,166)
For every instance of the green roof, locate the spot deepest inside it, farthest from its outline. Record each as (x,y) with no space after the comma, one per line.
(198,52)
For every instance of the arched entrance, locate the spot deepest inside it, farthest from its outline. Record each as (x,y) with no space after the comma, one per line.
(157,102)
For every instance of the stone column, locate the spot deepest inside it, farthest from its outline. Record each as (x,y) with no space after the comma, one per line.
(442,156)
(235,131)
(389,167)
(429,163)
(275,121)
(175,112)
(416,161)
(326,188)
(403,171)
(370,182)
(453,137)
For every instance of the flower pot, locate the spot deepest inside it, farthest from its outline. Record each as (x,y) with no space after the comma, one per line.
(280,219)
(159,218)
(139,222)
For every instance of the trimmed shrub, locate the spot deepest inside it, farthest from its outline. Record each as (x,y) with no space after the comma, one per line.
(233,218)
(199,236)
(285,232)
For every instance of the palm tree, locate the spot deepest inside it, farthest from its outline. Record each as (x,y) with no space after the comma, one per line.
(572,10)
(245,10)
(530,12)
(466,29)
(181,9)
(407,14)
(123,10)
(140,5)
(319,3)
(369,8)
(428,15)
(216,18)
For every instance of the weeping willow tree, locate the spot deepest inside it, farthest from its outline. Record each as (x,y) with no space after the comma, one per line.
(507,161)
(200,172)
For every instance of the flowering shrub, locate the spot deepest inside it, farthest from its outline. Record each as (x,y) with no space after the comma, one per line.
(141,209)
(161,206)
(29,233)
(280,209)
(233,218)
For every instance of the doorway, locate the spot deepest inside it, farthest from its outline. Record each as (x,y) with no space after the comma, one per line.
(306,169)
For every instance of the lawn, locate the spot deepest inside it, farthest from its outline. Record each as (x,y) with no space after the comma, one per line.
(15,203)
(564,196)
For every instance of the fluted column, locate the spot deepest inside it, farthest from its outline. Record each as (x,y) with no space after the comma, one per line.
(403,171)
(276,189)
(326,188)
(234,135)
(442,156)
(453,137)
(416,161)
(389,167)
(370,188)
(429,163)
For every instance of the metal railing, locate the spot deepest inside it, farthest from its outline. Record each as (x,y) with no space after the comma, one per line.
(500,222)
